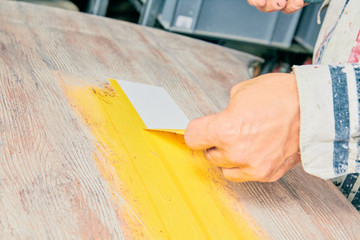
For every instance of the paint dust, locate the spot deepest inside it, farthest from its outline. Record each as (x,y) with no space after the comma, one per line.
(162,188)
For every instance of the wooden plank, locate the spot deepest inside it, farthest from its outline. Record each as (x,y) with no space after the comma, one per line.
(52,182)
(174,190)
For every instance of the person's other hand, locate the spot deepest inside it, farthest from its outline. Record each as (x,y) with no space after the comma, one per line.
(256,138)
(286,6)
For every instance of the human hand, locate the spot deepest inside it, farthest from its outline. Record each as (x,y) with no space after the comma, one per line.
(286,6)
(256,138)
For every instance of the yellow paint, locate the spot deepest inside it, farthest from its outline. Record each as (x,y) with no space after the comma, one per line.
(177,131)
(172,192)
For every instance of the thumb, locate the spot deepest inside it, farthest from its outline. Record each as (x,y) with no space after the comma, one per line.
(201,132)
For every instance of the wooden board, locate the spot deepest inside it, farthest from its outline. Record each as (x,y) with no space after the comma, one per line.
(57,179)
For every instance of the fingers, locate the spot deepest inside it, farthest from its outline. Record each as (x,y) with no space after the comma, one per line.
(241,174)
(257,3)
(261,173)
(274,5)
(293,6)
(201,133)
(247,173)
(218,157)
(268,5)
(235,175)
(231,171)
(286,6)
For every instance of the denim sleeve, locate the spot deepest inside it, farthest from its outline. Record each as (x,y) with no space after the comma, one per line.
(329,98)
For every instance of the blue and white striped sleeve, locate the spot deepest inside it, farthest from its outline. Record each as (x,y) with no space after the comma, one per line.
(329,98)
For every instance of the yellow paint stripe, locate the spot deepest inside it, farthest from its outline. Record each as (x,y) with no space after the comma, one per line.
(177,131)
(159,160)
(172,190)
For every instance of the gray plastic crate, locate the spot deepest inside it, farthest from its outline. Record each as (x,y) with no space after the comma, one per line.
(308,29)
(229,19)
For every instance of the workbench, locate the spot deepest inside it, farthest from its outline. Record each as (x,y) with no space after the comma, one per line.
(67,174)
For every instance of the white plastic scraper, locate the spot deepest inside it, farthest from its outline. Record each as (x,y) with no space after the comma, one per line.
(156,107)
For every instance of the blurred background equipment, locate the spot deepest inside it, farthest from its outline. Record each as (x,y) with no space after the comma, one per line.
(64,4)
(281,40)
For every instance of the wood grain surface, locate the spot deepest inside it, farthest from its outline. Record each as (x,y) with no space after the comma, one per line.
(50,183)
